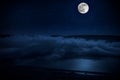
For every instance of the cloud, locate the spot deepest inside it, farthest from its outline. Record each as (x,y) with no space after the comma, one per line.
(47,47)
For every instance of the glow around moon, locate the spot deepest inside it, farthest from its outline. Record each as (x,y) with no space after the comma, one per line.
(83,8)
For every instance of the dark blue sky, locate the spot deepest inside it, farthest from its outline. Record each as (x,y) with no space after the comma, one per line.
(60,17)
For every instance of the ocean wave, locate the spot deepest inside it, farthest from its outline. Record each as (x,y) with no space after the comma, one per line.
(47,47)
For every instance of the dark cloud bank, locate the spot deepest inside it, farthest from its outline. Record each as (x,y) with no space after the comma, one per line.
(47,47)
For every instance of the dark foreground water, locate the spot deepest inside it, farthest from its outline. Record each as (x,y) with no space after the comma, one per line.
(65,69)
(105,65)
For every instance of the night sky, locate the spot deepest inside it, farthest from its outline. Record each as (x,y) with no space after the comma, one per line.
(60,17)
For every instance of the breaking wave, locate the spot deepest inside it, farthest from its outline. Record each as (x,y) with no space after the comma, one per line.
(47,47)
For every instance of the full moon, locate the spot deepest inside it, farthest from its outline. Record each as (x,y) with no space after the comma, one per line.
(83,8)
